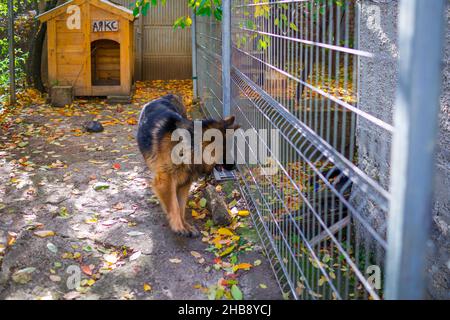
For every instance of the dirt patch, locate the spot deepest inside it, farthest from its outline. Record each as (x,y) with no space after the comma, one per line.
(110,239)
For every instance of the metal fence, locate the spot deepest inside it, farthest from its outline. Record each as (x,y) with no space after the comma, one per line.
(323,215)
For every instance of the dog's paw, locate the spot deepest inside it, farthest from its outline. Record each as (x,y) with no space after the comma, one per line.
(187,233)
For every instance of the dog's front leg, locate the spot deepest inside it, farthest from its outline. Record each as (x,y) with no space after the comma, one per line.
(165,189)
(182,196)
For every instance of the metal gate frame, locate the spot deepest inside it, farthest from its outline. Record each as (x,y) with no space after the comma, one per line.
(335,195)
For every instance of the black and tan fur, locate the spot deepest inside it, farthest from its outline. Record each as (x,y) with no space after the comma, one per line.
(172,182)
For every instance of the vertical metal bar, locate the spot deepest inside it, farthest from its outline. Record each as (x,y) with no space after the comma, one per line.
(421,29)
(141,45)
(12,79)
(226,56)
(194,53)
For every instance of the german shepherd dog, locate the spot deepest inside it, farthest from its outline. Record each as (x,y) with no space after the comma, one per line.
(171,182)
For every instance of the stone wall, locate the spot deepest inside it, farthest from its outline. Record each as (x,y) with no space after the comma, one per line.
(378,83)
(439,257)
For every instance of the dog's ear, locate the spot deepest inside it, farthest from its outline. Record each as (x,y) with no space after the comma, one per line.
(229,123)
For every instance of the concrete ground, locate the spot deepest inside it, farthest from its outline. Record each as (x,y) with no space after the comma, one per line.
(78,220)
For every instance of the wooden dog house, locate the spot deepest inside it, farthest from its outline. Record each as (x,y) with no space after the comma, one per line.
(90,47)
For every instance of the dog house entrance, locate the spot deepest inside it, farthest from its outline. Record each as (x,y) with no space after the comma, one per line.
(105,63)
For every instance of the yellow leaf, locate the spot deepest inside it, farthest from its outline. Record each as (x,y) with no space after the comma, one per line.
(242,266)
(91,220)
(243,213)
(227,251)
(235,238)
(147,287)
(224,232)
(44,233)
(90,282)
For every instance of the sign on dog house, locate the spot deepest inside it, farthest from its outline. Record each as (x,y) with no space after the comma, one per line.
(90,47)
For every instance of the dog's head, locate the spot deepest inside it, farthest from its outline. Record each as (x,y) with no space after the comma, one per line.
(218,151)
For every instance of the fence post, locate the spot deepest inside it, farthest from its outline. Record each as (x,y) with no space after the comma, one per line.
(194,53)
(12,78)
(226,56)
(421,30)
(140,46)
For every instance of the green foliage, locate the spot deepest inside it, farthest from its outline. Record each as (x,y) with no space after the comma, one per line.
(22,25)
(199,7)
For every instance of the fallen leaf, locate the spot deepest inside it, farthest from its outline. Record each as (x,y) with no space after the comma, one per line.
(262,286)
(108,222)
(52,247)
(175,260)
(119,206)
(202,202)
(110,258)
(11,239)
(100,186)
(86,270)
(135,255)
(227,251)
(44,233)
(87,248)
(55,278)
(91,220)
(24,275)
(243,213)
(196,254)
(147,287)
(236,292)
(135,233)
(132,121)
(196,215)
(225,232)
(242,266)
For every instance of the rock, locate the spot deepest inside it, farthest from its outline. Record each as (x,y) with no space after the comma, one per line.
(217,207)
(93,126)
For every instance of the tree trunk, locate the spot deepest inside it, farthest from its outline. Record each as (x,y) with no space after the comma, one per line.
(36,51)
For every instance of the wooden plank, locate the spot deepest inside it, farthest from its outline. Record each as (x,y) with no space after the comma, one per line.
(125,50)
(68,70)
(107,66)
(69,38)
(73,48)
(51,52)
(126,14)
(108,60)
(61,26)
(87,47)
(69,59)
(59,10)
(107,90)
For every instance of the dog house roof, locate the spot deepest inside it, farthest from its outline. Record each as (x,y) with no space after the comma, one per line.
(103,4)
